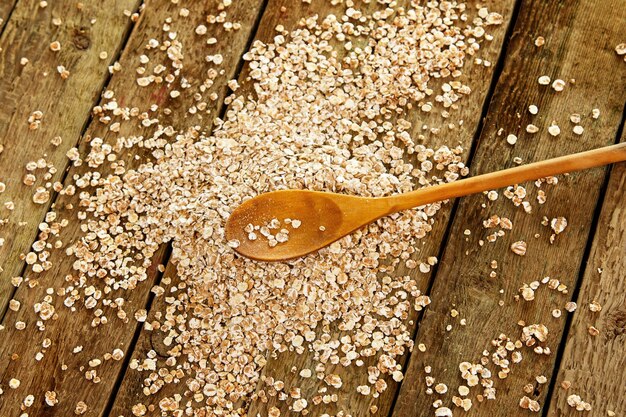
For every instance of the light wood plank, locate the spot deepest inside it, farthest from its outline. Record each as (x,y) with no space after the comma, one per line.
(65,104)
(596,366)
(578,36)
(71,329)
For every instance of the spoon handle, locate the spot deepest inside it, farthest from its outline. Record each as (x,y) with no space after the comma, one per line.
(511,176)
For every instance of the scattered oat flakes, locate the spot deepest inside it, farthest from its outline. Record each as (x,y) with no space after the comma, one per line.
(519,247)
(443,412)
(297,152)
(558,85)
(595,307)
(299,405)
(595,113)
(511,139)
(51,398)
(554,130)
(56,141)
(531,128)
(528,404)
(41,195)
(575,118)
(81,408)
(558,224)
(544,80)
(576,402)
(528,293)
(14,383)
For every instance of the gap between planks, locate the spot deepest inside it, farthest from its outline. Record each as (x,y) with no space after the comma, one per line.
(131,346)
(583,270)
(6,10)
(601,382)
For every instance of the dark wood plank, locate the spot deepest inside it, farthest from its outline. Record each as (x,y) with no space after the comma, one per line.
(60,369)
(578,35)
(36,85)
(595,366)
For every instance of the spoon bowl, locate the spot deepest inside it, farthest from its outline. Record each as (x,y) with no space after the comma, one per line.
(324,218)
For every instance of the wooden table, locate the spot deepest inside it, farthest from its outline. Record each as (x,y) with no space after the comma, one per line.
(589,257)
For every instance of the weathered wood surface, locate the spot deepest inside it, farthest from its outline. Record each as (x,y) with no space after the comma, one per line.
(574,46)
(280,366)
(596,366)
(65,104)
(70,329)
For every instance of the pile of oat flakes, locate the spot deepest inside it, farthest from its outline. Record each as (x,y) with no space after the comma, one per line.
(317,122)
(326,114)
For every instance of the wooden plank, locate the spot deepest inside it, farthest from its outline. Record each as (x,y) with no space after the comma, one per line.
(60,369)
(596,366)
(65,105)
(463,282)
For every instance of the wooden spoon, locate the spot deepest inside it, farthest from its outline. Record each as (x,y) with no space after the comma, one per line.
(326,217)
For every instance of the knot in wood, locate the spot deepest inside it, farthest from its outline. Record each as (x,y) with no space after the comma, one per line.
(81,39)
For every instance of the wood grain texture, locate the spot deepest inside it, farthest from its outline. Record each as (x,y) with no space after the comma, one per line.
(578,36)
(576,42)
(71,329)
(66,104)
(596,366)
(479,78)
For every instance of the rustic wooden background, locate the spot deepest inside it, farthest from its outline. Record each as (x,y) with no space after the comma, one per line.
(580,39)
